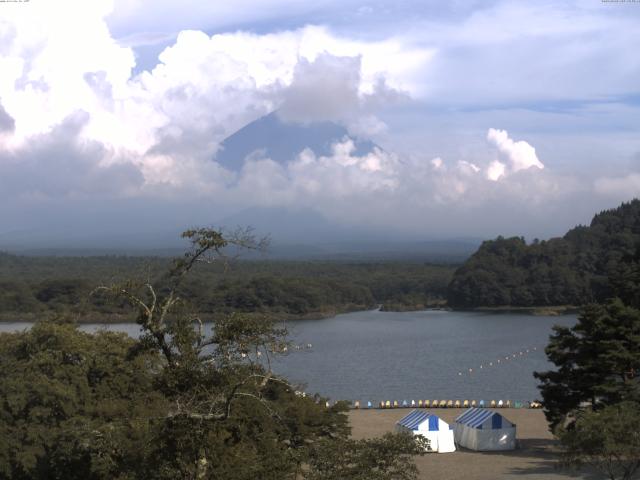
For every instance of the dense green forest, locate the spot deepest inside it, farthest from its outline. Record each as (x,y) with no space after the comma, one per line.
(176,403)
(590,263)
(32,286)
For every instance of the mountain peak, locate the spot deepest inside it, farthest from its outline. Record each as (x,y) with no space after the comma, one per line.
(282,141)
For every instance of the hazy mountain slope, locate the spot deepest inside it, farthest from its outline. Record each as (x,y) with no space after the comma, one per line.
(282,141)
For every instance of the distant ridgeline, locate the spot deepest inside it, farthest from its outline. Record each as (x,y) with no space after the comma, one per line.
(587,264)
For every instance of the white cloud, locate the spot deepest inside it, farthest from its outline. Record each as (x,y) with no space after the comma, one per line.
(468,168)
(496,170)
(75,121)
(314,181)
(517,155)
(437,163)
(361,188)
(58,165)
(168,122)
(325,89)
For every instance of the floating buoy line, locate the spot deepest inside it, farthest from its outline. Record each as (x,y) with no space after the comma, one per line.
(393,404)
(500,361)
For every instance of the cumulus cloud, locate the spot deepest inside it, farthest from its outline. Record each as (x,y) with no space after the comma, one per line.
(169,122)
(496,170)
(59,165)
(408,194)
(77,126)
(330,88)
(345,181)
(325,89)
(517,155)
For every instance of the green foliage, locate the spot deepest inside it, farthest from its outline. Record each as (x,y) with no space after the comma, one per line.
(598,361)
(74,405)
(180,402)
(31,286)
(385,458)
(573,270)
(607,440)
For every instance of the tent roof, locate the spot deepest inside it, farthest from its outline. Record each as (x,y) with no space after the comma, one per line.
(482,418)
(417,418)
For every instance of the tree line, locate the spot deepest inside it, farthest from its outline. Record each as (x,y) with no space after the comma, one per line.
(33,286)
(588,264)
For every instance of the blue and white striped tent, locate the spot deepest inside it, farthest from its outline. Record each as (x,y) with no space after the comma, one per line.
(483,430)
(432,427)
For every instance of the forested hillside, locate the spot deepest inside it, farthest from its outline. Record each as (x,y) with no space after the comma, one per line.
(590,263)
(33,286)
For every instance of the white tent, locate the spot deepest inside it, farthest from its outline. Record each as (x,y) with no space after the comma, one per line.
(432,427)
(483,430)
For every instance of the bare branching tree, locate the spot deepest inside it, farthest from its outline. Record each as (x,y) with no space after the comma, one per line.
(205,371)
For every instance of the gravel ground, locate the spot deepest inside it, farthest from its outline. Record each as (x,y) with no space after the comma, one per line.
(535,458)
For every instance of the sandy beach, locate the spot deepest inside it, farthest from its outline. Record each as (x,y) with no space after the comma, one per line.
(535,458)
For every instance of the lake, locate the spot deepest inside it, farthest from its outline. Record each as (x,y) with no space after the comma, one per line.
(377,355)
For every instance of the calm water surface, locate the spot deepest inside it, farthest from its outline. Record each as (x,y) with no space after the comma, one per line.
(412,355)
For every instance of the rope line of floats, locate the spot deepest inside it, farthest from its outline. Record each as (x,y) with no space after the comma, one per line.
(391,404)
(500,361)
(388,404)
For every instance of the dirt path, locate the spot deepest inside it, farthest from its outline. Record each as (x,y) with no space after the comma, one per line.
(534,459)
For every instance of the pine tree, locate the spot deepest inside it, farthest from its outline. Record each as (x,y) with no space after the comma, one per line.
(598,361)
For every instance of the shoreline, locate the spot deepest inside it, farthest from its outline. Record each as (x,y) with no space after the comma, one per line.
(551,310)
(114,318)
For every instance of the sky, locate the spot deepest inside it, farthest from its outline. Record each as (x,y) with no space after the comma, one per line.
(493,117)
